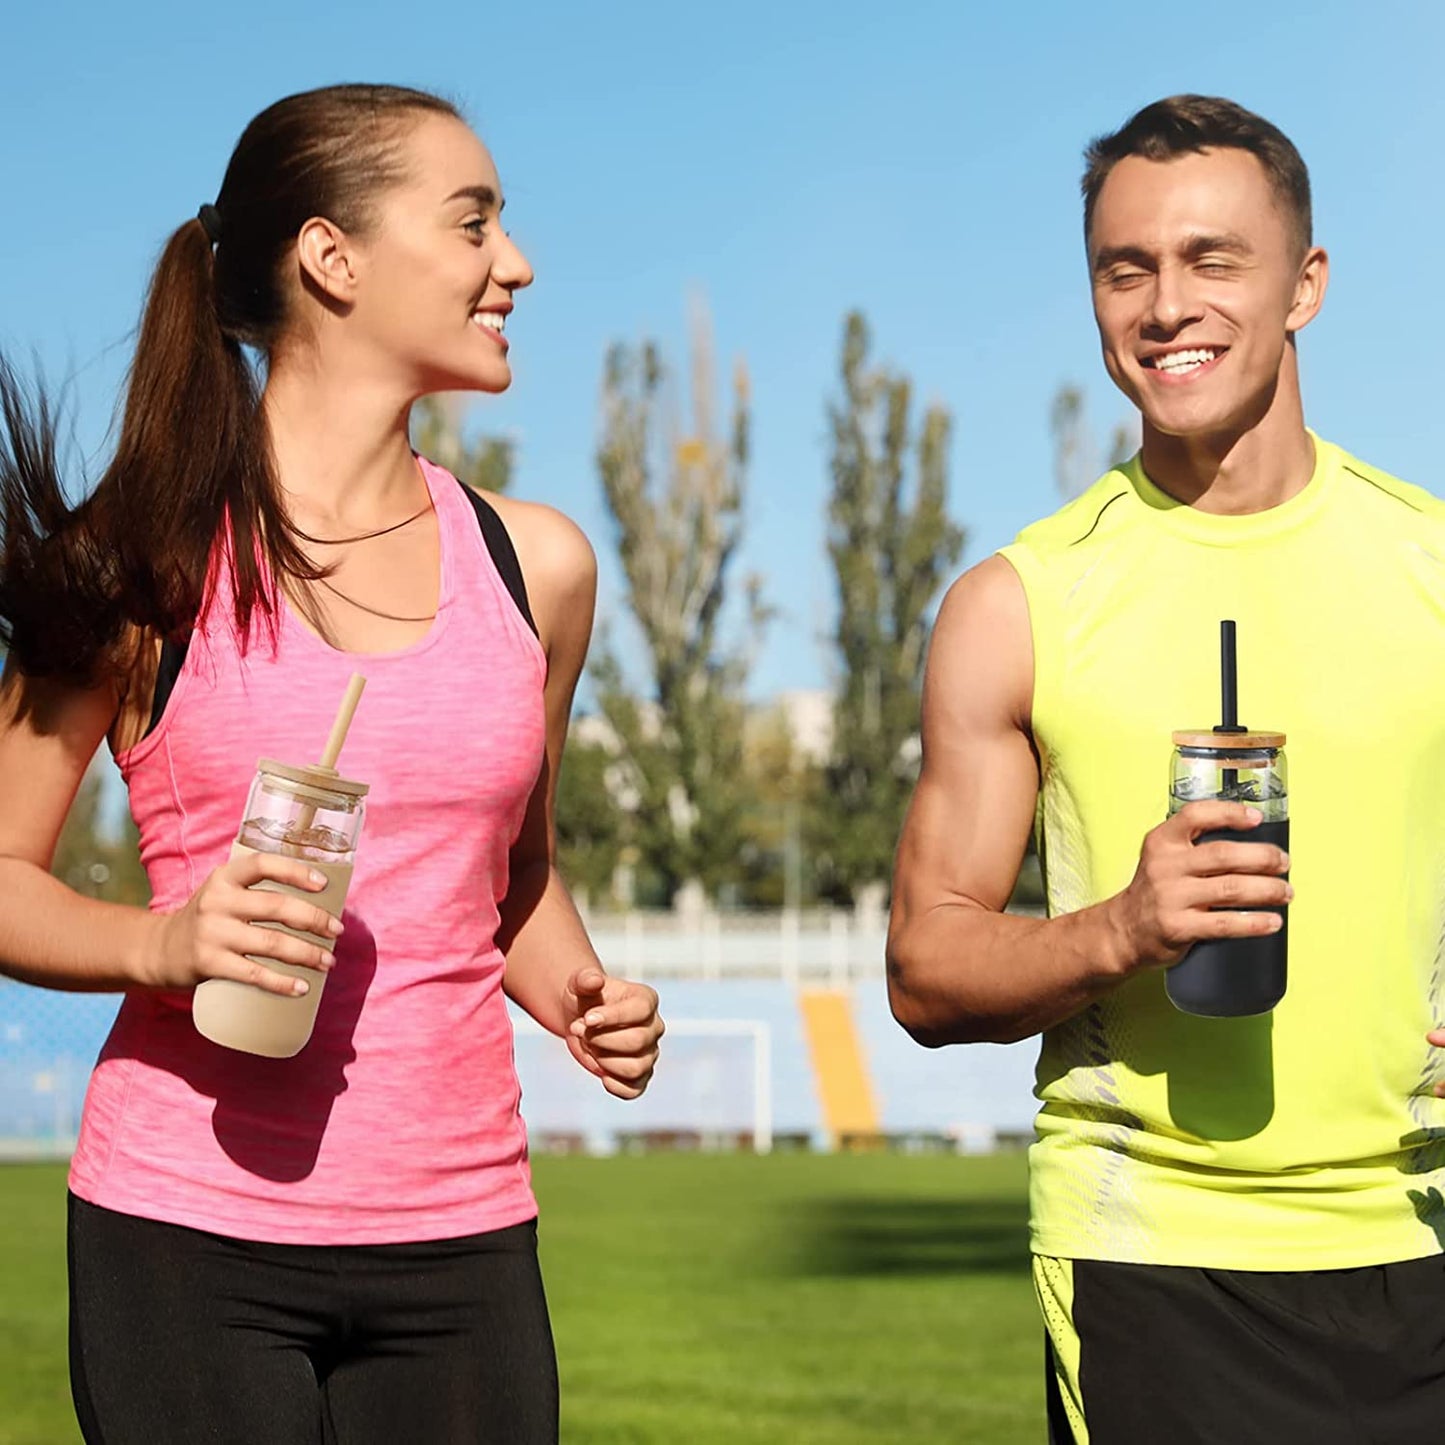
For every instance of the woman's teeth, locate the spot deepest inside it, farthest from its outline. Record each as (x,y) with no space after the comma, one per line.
(492,320)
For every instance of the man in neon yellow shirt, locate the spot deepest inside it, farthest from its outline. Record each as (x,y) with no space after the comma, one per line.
(1237,1223)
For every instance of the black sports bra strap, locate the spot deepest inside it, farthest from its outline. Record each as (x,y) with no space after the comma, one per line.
(168,671)
(504,554)
(504,558)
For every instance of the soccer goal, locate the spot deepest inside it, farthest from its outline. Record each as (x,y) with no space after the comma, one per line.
(714,1089)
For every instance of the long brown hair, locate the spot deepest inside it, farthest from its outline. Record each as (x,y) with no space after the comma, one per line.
(79,584)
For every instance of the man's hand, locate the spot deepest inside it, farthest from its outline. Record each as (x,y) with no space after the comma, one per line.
(613,1029)
(1437,1038)
(1183,892)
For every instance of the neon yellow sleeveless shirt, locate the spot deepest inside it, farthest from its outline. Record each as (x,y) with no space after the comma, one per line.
(1307,1138)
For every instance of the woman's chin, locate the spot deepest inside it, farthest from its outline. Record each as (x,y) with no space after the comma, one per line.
(493,380)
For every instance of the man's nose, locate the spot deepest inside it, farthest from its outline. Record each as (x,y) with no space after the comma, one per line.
(1172,303)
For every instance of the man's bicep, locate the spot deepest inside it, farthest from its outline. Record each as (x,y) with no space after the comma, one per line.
(971,815)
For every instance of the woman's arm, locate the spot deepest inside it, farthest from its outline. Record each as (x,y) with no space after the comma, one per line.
(56,938)
(611,1025)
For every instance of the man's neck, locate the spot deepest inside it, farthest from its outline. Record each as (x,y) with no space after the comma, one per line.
(1236,472)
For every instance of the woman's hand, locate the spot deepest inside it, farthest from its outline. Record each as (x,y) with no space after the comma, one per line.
(613,1029)
(217,934)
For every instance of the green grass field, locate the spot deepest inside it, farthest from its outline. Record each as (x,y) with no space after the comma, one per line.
(808,1299)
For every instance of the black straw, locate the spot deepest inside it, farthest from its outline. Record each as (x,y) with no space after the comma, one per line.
(1228,682)
(1228,697)
(1228,679)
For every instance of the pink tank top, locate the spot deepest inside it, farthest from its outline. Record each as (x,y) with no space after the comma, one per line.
(399,1120)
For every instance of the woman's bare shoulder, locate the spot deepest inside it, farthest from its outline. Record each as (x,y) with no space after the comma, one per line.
(553,550)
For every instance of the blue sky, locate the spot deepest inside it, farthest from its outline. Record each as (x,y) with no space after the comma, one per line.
(789,161)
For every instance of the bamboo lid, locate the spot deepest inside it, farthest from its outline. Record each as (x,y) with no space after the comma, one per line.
(314,779)
(1232,742)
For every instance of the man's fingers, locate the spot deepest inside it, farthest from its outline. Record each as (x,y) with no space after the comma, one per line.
(1213,859)
(1238,890)
(1207,817)
(1226,923)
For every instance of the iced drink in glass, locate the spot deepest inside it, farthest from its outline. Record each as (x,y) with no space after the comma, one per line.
(312,814)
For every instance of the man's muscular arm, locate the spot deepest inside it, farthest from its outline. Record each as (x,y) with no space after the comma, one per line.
(959,969)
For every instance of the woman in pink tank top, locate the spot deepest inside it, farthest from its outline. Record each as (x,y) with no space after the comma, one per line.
(339,1246)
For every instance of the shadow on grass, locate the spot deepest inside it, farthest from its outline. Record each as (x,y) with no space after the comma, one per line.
(860,1236)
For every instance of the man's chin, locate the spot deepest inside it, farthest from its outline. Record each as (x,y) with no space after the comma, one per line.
(1191,423)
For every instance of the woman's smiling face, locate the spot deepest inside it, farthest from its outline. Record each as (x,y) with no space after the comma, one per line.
(436,273)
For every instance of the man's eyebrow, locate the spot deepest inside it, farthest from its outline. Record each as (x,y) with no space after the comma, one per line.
(1123,255)
(1202,245)
(484,196)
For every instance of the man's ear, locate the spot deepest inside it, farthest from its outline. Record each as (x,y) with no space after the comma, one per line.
(1309,291)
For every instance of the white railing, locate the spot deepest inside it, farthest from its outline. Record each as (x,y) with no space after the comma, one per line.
(832,946)
(823,946)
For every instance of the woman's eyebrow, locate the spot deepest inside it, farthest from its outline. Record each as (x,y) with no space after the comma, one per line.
(484,196)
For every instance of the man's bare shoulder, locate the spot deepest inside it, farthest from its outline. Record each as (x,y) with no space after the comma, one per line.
(981,656)
(988,591)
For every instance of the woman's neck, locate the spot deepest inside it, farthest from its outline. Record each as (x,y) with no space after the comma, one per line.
(340,447)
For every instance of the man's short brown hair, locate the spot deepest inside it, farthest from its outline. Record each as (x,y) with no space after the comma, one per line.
(1188,124)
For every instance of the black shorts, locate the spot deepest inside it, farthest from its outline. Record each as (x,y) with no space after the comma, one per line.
(179,1336)
(1153,1355)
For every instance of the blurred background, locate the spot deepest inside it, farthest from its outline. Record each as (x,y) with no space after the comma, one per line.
(811,315)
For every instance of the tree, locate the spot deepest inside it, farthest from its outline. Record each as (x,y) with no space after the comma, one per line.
(892,547)
(96,860)
(783,786)
(438,433)
(591,826)
(1076,461)
(675,489)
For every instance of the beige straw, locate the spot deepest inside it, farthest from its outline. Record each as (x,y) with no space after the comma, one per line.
(339,728)
(307,813)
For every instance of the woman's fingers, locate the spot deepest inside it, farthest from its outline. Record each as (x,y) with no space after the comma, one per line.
(636,1006)
(264,905)
(630,1069)
(618,1043)
(254,939)
(247,869)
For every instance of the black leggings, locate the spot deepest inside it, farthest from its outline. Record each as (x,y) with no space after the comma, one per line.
(179,1336)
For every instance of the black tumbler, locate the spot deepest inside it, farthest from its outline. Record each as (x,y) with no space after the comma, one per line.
(1233,977)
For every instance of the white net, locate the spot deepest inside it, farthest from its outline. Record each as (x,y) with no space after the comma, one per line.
(716,1091)
(48,1046)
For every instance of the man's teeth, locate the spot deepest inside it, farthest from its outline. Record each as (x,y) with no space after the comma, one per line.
(1178,362)
(492,320)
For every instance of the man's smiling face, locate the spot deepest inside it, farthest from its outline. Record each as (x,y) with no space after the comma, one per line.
(1199,276)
